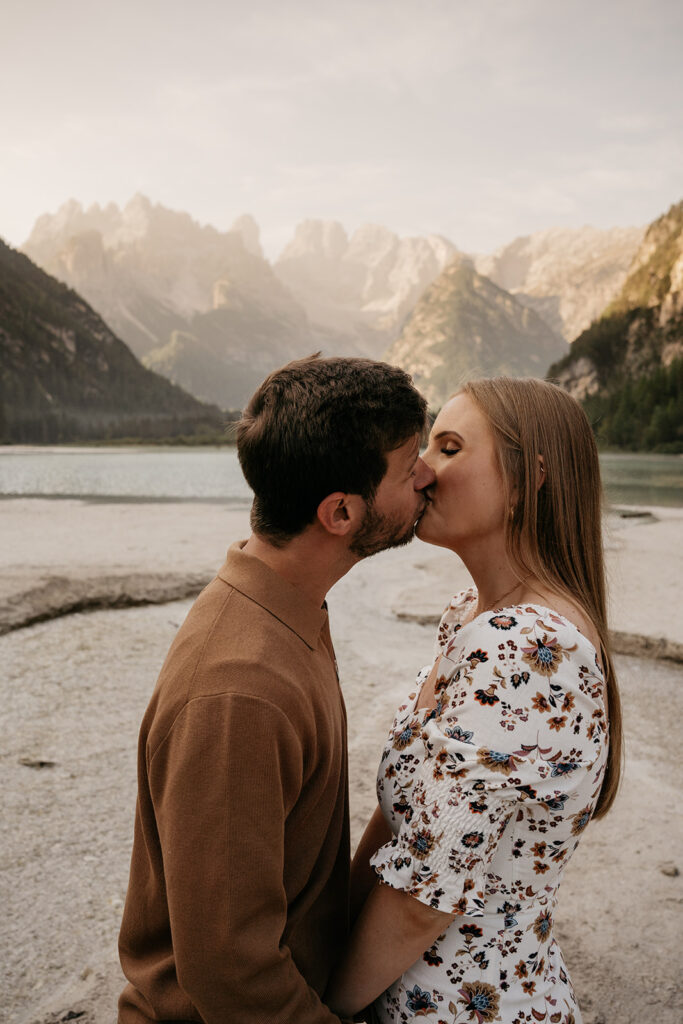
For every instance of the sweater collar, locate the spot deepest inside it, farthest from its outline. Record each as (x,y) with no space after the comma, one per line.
(261,584)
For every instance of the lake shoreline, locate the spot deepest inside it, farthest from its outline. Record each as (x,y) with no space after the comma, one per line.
(212,472)
(60,596)
(71,556)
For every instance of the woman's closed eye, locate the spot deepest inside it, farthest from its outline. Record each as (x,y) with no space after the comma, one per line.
(450,449)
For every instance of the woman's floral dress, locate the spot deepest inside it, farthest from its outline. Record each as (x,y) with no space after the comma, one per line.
(487,796)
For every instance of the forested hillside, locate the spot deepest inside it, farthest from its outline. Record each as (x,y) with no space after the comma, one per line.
(626,367)
(65,376)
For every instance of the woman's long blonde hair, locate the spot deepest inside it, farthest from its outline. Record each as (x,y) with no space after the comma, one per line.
(555,531)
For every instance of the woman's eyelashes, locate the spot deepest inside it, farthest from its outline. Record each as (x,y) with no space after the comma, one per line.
(450,450)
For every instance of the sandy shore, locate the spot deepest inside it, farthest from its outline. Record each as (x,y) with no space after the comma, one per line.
(59,557)
(74,689)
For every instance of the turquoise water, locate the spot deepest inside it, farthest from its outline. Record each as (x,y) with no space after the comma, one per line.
(631,479)
(124,474)
(213,474)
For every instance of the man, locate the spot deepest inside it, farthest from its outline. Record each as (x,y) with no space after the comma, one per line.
(237,907)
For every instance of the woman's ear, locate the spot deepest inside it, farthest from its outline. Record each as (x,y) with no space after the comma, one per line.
(340,513)
(541,472)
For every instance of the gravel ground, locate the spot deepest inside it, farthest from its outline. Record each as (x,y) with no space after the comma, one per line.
(73,693)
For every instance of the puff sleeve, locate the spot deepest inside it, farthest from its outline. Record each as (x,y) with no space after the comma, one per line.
(519,720)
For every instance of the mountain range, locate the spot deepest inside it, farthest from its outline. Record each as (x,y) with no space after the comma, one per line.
(567,275)
(201,306)
(361,287)
(207,310)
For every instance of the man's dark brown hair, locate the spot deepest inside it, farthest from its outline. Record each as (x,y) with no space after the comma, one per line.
(322,425)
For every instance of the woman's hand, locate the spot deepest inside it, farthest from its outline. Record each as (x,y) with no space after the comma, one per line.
(392,932)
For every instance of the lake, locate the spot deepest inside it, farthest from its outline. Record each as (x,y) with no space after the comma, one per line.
(124,474)
(154,474)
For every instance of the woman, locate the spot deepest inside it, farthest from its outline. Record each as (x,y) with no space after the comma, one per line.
(501,755)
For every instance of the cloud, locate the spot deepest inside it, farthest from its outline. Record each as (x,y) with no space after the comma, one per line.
(474,120)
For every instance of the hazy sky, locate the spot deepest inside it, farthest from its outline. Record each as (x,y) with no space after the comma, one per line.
(477,119)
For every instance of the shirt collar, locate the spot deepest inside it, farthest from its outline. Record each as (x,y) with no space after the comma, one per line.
(261,584)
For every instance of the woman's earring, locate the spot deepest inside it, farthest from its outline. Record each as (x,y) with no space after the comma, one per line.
(511,513)
(541,471)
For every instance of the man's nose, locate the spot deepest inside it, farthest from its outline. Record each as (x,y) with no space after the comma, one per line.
(424,475)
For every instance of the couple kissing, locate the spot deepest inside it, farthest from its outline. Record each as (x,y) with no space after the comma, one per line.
(244,905)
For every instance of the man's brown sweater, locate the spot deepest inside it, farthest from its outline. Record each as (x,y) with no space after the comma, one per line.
(238,898)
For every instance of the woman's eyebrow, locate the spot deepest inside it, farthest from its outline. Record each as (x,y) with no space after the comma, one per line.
(447,433)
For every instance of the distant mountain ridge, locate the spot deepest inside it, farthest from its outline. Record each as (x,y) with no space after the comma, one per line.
(200,305)
(567,275)
(360,287)
(65,376)
(143,245)
(465,326)
(205,308)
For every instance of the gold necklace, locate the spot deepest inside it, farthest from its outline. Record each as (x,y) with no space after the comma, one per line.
(507,593)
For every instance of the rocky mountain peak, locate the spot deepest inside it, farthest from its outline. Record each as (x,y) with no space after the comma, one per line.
(654,275)
(641,329)
(465,325)
(316,239)
(139,208)
(363,286)
(148,248)
(568,275)
(199,305)
(50,226)
(370,241)
(248,230)
(84,254)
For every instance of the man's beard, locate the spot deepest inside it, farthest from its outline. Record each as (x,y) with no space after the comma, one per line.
(378,532)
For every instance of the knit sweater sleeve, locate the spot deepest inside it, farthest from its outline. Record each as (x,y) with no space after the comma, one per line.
(223,782)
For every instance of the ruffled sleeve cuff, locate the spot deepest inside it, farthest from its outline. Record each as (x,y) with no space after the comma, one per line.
(422,862)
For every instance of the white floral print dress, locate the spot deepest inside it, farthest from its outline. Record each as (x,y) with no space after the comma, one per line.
(487,795)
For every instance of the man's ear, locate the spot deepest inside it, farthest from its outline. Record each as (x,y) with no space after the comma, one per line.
(340,514)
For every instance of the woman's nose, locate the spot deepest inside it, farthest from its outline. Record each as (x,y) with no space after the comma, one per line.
(424,474)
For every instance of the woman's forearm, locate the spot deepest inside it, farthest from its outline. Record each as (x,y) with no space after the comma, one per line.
(392,932)
(363,877)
